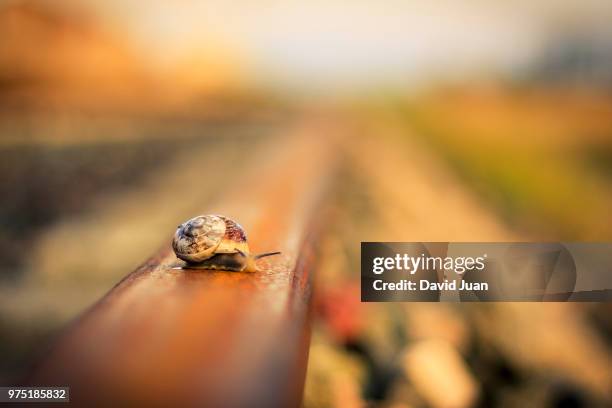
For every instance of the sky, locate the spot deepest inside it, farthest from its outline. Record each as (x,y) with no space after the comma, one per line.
(335,42)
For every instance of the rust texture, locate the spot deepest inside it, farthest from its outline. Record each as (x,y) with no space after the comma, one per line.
(170,337)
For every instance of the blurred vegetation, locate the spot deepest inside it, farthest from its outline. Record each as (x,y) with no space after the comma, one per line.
(541,156)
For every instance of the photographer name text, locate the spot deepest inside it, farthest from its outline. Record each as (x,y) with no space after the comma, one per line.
(412,264)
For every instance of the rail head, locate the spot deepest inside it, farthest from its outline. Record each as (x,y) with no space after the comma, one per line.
(169,336)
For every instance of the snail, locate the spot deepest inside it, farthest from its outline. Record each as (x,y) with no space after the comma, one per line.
(215,242)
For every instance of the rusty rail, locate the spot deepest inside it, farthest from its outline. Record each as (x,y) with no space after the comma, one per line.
(170,337)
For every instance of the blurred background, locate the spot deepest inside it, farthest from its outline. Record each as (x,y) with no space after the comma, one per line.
(466,121)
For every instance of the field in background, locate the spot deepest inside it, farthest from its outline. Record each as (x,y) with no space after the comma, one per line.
(542,157)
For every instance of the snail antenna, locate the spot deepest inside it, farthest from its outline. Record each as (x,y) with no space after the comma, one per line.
(265,254)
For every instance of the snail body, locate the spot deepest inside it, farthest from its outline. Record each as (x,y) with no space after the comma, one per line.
(215,242)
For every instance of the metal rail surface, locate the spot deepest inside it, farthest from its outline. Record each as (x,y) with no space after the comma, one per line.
(165,336)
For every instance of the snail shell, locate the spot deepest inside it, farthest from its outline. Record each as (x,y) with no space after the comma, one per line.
(214,242)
